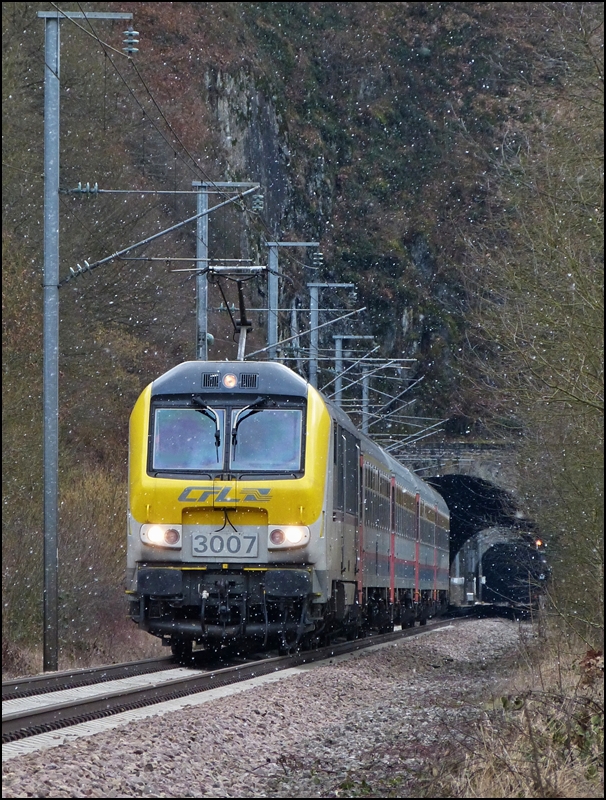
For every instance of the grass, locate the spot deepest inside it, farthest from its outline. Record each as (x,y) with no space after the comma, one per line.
(543,737)
(123,642)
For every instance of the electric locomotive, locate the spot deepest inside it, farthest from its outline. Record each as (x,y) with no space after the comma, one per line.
(258,514)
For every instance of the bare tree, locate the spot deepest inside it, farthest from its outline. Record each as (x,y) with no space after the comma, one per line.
(538,282)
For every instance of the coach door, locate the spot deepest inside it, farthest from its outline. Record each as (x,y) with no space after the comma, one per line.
(347,474)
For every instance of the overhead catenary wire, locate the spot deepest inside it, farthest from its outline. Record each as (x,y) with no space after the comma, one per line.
(416,437)
(372,413)
(364,376)
(89,267)
(302,333)
(348,368)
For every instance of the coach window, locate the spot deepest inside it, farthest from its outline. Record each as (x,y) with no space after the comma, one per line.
(186,439)
(267,440)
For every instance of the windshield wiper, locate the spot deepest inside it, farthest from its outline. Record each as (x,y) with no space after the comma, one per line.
(258,405)
(209,412)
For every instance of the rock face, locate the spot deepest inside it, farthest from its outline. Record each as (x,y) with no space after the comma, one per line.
(255,145)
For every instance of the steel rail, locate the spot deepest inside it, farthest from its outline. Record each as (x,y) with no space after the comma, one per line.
(70,679)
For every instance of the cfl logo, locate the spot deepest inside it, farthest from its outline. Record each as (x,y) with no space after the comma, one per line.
(202,494)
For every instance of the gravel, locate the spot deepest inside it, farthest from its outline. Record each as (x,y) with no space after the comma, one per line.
(345,729)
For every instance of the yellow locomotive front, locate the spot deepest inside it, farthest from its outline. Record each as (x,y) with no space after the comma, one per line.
(227,485)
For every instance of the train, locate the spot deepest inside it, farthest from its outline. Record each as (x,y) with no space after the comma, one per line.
(260,516)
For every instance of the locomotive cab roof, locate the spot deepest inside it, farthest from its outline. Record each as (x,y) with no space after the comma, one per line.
(252,377)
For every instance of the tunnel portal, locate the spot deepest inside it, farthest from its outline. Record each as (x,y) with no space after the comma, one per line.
(493,553)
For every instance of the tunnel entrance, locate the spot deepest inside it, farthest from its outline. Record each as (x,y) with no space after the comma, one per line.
(475,504)
(492,545)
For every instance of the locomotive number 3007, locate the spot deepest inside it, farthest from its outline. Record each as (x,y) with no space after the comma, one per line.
(209,545)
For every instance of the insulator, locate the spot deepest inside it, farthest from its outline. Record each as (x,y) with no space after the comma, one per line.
(87,188)
(317,259)
(258,202)
(130,41)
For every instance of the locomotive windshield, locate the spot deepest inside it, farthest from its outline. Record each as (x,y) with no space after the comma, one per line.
(210,440)
(187,439)
(265,440)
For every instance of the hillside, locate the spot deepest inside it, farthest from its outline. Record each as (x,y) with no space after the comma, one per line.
(356,119)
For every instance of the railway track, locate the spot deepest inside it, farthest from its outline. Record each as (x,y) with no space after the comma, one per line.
(70,679)
(31,706)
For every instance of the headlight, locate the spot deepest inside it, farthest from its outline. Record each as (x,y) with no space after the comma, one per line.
(288,536)
(162,536)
